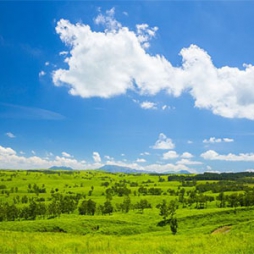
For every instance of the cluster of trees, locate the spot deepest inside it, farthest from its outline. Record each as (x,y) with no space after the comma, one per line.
(236,199)
(118,190)
(150,191)
(90,207)
(240,176)
(34,208)
(36,189)
(60,204)
(221,186)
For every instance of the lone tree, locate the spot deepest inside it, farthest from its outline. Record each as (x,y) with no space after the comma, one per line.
(168,211)
(87,207)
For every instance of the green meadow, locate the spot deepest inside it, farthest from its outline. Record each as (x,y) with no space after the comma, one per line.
(48,211)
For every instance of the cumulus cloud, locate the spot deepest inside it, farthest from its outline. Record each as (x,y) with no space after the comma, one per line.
(159,168)
(163,143)
(6,151)
(228,140)
(141,160)
(67,155)
(96,157)
(111,62)
(170,155)
(217,140)
(148,105)
(186,155)
(188,162)
(167,168)
(213,155)
(11,160)
(10,135)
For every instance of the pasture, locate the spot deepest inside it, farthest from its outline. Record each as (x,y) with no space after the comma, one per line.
(48,211)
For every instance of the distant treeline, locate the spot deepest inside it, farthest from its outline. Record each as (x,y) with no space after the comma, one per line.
(243,176)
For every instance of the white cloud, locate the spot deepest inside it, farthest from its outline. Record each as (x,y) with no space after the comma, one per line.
(67,155)
(164,107)
(228,140)
(250,170)
(107,157)
(6,151)
(11,160)
(10,135)
(141,160)
(46,63)
(145,34)
(170,155)
(96,157)
(63,53)
(189,142)
(49,154)
(212,140)
(187,155)
(217,140)
(33,152)
(160,168)
(167,167)
(42,73)
(188,162)
(212,155)
(173,155)
(108,21)
(104,64)
(163,143)
(145,154)
(148,105)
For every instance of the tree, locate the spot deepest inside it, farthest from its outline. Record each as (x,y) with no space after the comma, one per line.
(173,224)
(54,208)
(107,208)
(168,210)
(143,204)
(87,207)
(126,204)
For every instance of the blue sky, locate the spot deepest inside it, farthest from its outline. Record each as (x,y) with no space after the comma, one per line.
(153,85)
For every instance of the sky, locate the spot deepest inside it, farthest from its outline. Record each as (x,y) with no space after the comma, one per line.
(159,86)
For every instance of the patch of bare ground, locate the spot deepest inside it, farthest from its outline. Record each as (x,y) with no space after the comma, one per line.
(222,230)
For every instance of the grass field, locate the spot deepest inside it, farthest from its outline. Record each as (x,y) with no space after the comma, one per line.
(208,230)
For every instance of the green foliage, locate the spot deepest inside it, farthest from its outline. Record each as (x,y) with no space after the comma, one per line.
(48,207)
(87,207)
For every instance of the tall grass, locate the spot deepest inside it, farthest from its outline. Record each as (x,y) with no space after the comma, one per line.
(23,242)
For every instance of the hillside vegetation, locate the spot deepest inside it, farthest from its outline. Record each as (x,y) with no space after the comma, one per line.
(52,211)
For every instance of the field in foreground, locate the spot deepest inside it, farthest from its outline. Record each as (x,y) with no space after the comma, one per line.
(211,228)
(239,239)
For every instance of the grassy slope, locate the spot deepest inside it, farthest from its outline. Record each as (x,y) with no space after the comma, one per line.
(122,233)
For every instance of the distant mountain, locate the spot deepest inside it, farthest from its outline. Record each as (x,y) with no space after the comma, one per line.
(120,169)
(60,168)
(127,170)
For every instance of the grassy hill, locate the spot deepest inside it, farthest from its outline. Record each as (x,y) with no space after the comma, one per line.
(214,224)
